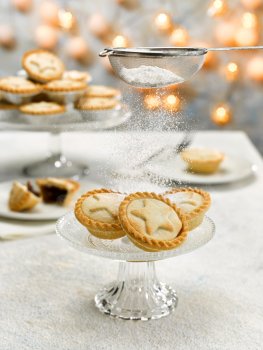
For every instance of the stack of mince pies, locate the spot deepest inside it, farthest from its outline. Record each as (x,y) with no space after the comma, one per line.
(46,89)
(153,222)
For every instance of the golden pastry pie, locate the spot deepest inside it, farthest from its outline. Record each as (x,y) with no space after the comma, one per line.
(101,91)
(7,106)
(193,202)
(19,85)
(152,222)
(98,211)
(65,86)
(22,197)
(95,103)
(202,160)
(57,191)
(76,75)
(42,108)
(42,66)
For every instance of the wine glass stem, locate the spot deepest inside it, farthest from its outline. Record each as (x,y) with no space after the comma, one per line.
(55,144)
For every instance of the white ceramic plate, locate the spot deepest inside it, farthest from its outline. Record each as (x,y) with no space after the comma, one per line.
(41,211)
(232,169)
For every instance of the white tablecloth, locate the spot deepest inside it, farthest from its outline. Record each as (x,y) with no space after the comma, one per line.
(47,288)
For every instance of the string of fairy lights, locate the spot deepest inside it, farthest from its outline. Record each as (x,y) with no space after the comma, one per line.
(235,23)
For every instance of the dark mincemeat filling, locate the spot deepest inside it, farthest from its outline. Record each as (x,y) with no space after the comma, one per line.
(52,194)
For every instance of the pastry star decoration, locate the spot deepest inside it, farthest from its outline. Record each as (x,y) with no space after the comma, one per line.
(104,203)
(155,217)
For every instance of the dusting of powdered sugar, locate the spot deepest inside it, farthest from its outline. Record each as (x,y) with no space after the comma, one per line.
(149,76)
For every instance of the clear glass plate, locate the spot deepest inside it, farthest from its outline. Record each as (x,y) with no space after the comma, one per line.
(121,249)
(72,120)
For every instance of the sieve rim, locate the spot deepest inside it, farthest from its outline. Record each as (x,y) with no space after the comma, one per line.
(153,51)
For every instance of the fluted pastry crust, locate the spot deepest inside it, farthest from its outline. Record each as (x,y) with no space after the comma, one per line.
(19,85)
(100,229)
(146,241)
(21,199)
(194,217)
(95,103)
(42,108)
(33,62)
(65,85)
(101,91)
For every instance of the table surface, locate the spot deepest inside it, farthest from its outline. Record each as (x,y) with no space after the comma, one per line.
(47,288)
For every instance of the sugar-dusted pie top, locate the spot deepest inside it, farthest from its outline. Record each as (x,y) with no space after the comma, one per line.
(187,201)
(102,207)
(202,154)
(101,91)
(65,85)
(42,108)
(18,84)
(154,218)
(42,65)
(76,75)
(96,103)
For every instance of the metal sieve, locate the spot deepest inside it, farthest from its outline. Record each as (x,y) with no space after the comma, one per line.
(160,66)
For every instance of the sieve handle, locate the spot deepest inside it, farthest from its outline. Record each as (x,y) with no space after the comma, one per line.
(235,48)
(105,52)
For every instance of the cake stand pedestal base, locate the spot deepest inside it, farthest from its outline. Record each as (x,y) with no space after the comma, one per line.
(137,294)
(57,165)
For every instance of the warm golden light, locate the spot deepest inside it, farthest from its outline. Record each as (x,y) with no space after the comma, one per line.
(225,33)
(247,37)
(217,8)
(221,115)
(77,48)
(120,41)
(46,37)
(231,71)
(152,101)
(163,22)
(66,19)
(172,102)
(252,4)
(98,26)
(255,68)
(249,20)
(48,11)
(22,5)
(179,37)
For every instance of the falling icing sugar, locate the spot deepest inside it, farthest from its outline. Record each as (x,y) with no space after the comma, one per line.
(152,76)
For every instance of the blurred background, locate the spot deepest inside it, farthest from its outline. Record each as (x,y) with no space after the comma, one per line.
(226,94)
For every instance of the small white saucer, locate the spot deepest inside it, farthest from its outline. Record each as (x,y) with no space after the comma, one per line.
(232,169)
(41,211)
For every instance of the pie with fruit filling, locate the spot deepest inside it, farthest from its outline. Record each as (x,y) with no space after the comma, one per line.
(101,91)
(19,85)
(57,191)
(76,75)
(193,202)
(42,66)
(152,222)
(98,210)
(23,197)
(65,86)
(95,103)
(202,160)
(42,108)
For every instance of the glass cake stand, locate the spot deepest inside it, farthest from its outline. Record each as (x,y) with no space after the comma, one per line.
(136,294)
(56,164)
